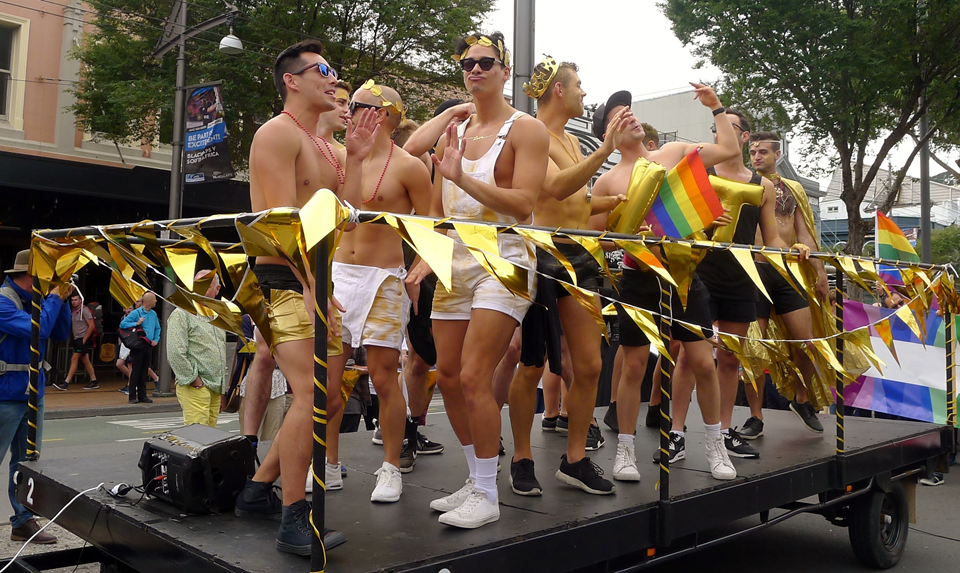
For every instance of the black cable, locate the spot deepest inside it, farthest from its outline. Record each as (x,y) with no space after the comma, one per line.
(935,534)
(89,533)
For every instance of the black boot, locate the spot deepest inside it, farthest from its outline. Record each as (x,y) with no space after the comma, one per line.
(258,500)
(294,533)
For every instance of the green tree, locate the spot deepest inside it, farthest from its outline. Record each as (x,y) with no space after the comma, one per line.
(850,74)
(125,95)
(945,245)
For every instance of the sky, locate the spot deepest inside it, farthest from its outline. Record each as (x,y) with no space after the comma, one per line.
(570,29)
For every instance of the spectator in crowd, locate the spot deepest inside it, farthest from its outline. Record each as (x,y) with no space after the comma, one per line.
(83,329)
(145,318)
(124,360)
(15,333)
(197,352)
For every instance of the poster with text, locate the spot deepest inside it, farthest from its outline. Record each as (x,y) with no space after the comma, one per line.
(206,153)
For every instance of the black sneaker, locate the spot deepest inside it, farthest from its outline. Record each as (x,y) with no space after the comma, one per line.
(563,424)
(294,533)
(610,418)
(738,448)
(503,452)
(92,385)
(677,449)
(585,475)
(408,457)
(653,417)
(427,448)
(62,386)
(124,390)
(807,415)
(259,500)
(549,424)
(522,479)
(594,439)
(752,428)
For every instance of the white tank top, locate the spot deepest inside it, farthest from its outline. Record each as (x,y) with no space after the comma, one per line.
(459,204)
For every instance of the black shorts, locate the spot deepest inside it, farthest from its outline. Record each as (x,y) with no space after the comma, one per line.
(589,273)
(277,277)
(81,347)
(418,327)
(731,310)
(642,289)
(540,330)
(786,299)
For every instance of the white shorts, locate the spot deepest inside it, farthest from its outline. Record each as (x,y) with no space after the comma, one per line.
(473,287)
(376,303)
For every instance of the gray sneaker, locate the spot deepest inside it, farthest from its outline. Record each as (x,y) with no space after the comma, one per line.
(377,434)
(807,415)
(752,428)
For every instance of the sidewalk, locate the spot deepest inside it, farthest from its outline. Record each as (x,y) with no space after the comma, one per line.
(105,401)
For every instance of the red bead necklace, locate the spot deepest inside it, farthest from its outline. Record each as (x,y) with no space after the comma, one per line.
(385,165)
(331,159)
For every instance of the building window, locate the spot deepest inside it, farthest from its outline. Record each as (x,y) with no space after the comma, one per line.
(6,66)
(833,209)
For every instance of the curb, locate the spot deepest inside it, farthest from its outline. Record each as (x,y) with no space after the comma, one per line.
(69,413)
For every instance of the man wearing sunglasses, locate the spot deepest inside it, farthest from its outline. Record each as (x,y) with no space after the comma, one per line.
(565,201)
(288,164)
(640,288)
(336,120)
(792,306)
(368,274)
(491,168)
(733,294)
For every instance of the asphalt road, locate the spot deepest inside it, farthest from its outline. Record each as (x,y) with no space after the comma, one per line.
(804,543)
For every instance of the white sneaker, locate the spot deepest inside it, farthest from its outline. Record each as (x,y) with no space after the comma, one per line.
(718,460)
(475,511)
(333,479)
(625,464)
(389,484)
(455,499)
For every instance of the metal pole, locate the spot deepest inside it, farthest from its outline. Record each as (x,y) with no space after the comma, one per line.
(840,403)
(174,210)
(666,421)
(33,401)
(925,224)
(318,555)
(524,16)
(951,370)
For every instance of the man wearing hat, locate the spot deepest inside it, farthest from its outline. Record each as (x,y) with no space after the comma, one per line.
(15,330)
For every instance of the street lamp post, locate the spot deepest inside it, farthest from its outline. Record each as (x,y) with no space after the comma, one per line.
(176,34)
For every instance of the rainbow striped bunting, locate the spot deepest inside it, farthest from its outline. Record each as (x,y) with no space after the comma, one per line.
(686,202)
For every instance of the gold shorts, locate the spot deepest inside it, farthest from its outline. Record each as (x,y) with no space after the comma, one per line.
(290,320)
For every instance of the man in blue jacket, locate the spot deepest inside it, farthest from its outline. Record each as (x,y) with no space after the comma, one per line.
(145,318)
(15,300)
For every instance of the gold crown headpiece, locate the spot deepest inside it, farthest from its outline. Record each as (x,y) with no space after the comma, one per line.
(488,43)
(540,80)
(394,106)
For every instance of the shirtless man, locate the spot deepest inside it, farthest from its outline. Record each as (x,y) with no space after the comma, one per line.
(490,168)
(368,275)
(733,297)
(564,201)
(288,163)
(336,119)
(791,305)
(641,289)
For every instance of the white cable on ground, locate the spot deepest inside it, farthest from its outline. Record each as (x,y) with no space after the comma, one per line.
(27,542)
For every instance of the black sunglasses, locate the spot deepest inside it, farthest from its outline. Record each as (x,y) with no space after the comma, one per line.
(325,70)
(486,64)
(713,128)
(355,105)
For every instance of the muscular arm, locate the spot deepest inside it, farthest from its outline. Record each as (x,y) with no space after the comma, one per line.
(423,139)
(562,183)
(416,179)
(531,146)
(806,237)
(273,158)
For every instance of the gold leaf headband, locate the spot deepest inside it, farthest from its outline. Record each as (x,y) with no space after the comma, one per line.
(487,43)
(396,107)
(540,80)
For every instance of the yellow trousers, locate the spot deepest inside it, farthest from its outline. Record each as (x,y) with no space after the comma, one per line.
(200,405)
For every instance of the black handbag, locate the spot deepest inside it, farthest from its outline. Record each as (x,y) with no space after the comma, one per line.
(134,338)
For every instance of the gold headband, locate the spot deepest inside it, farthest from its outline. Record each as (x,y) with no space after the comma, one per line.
(396,107)
(487,43)
(759,141)
(540,80)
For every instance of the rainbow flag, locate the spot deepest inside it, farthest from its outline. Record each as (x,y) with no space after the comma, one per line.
(686,202)
(892,244)
(916,387)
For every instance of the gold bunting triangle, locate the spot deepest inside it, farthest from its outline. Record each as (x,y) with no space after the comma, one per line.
(745,258)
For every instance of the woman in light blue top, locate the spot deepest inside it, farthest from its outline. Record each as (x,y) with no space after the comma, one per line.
(147,319)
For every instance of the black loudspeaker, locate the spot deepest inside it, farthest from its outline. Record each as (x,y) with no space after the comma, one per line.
(197,468)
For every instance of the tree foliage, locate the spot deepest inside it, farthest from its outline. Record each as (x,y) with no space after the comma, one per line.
(945,245)
(126,95)
(850,74)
